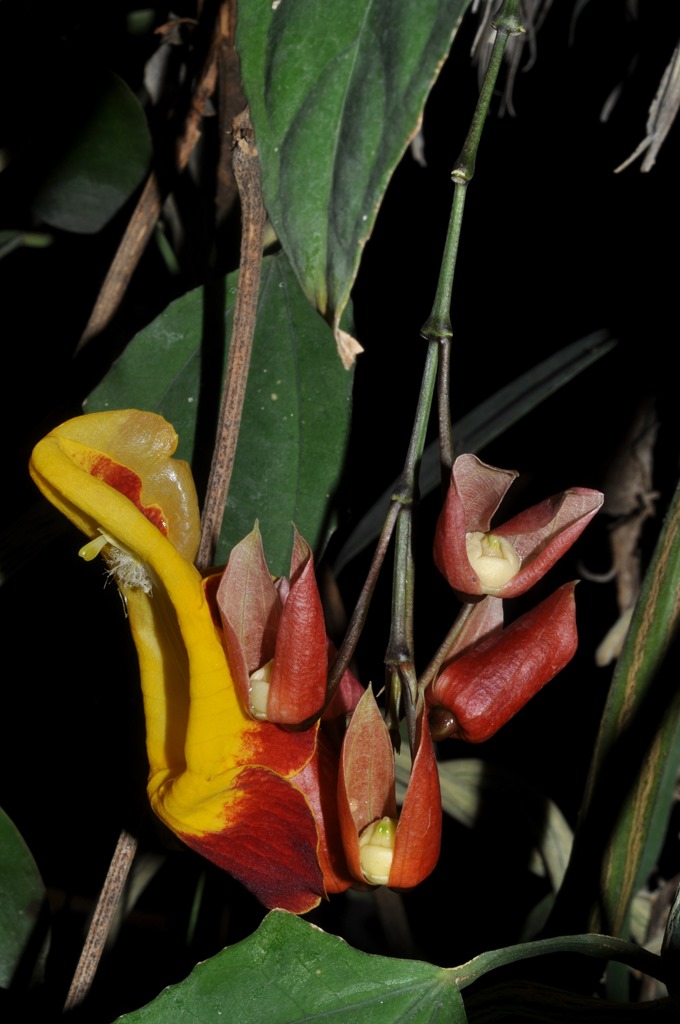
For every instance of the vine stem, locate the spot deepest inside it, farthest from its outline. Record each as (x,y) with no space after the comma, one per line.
(399,653)
(437,330)
(108,901)
(246,167)
(437,327)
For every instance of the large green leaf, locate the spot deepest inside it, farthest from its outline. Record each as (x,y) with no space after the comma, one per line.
(289,971)
(105,156)
(296,415)
(22,896)
(334,102)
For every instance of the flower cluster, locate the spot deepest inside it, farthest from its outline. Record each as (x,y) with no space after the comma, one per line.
(491,672)
(243,765)
(250,763)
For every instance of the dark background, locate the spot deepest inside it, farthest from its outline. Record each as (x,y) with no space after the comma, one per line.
(554,246)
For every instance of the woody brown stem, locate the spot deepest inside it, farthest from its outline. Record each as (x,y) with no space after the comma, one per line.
(114,884)
(247,173)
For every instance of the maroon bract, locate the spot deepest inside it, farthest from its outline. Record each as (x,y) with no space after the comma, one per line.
(480,690)
(381,849)
(274,634)
(507,561)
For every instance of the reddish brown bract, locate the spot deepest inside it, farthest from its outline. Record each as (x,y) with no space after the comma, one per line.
(479,691)
(539,536)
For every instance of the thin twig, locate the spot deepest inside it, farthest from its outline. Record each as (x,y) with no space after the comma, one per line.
(356,623)
(145,216)
(107,903)
(247,173)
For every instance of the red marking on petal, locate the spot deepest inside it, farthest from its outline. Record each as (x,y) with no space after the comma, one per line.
(129,484)
(248,601)
(348,693)
(271,845)
(367,765)
(283,751)
(482,620)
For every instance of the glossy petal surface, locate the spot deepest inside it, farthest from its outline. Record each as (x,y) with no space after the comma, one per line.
(482,689)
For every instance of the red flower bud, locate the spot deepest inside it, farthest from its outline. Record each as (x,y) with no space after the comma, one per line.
(380,849)
(480,690)
(274,634)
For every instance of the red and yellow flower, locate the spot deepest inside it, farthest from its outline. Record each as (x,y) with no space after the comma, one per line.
(245,793)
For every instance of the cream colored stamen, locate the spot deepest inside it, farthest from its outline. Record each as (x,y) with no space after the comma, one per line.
(93,547)
(376,844)
(259,691)
(493,558)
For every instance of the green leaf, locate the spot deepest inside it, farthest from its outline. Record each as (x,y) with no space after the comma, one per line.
(104,160)
(634,697)
(334,102)
(670,950)
(11,240)
(296,415)
(22,896)
(290,971)
(630,790)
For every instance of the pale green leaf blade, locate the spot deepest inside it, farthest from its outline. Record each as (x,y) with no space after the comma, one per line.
(334,101)
(296,415)
(289,971)
(671,940)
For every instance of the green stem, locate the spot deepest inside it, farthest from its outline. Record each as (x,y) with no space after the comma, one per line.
(399,654)
(402,499)
(437,331)
(437,327)
(602,947)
